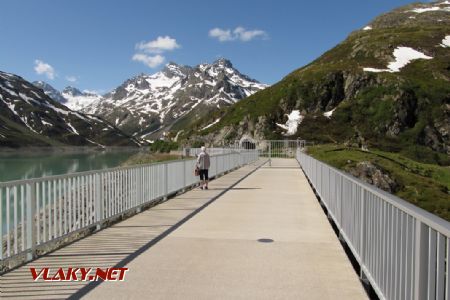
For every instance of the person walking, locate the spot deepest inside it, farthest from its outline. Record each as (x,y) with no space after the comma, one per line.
(203,164)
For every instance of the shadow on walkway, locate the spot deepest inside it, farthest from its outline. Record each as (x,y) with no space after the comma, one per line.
(114,246)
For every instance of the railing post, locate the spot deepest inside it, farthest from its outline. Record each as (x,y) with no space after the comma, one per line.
(1,226)
(421,261)
(98,200)
(362,236)
(270,154)
(341,199)
(217,167)
(31,222)
(166,181)
(184,175)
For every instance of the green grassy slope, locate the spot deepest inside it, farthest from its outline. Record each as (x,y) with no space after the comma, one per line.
(425,185)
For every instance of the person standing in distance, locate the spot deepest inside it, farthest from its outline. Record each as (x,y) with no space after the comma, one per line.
(203,164)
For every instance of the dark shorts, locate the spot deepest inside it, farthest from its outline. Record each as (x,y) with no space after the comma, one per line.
(204,174)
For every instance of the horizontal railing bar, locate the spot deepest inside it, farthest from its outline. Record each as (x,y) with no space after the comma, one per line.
(71,175)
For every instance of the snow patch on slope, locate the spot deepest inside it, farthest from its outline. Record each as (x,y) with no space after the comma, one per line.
(212,124)
(72,128)
(432,8)
(425,9)
(294,119)
(328,114)
(403,56)
(446,42)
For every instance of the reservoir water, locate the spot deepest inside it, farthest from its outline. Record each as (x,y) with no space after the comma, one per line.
(40,163)
(25,165)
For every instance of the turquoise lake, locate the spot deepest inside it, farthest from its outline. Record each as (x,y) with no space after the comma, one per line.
(15,166)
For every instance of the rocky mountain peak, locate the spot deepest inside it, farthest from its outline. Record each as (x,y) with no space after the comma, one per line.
(50,91)
(72,91)
(139,81)
(173,69)
(40,83)
(223,62)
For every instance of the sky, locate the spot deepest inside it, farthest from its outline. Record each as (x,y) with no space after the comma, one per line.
(97,44)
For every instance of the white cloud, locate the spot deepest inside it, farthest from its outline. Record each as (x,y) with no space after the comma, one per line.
(148,60)
(220,34)
(43,68)
(239,33)
(160,45)
(155,48)
(248,35)
(71,78)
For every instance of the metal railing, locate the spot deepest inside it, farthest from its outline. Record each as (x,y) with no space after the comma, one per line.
(266,148)
(39,211)
(193,152)
(403,250)
(280,148)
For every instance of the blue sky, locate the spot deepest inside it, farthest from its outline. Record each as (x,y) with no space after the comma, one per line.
(90,44)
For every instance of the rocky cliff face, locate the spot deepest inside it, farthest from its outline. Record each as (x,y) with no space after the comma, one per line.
(387,86)
(375,175)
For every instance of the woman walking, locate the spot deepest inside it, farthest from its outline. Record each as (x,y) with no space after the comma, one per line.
(203,164)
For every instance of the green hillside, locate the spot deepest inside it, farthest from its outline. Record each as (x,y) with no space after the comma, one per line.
(406,111)
(425,185)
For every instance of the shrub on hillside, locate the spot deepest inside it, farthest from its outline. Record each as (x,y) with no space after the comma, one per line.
(163,146)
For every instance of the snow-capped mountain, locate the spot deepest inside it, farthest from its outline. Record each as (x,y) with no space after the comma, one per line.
(77,100)
(28,116)
(70,96)
(175,96)
(50,91)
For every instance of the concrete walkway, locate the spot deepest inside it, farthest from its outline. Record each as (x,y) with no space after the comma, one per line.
(266,238)
(216,255)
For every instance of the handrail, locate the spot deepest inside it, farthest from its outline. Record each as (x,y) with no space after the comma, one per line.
(61,176)
(212,151)
(403,250)
(413,210)
(39,211)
